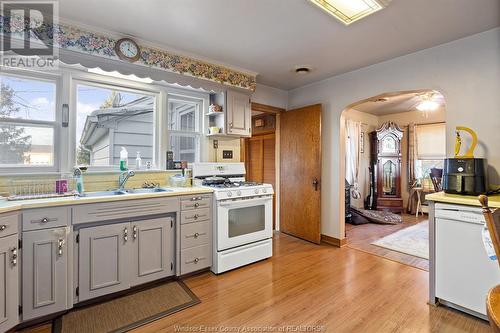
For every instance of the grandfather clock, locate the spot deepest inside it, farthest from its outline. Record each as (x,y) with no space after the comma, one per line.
(388,159)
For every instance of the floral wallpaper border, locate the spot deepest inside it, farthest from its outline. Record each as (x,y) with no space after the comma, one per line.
(76,39)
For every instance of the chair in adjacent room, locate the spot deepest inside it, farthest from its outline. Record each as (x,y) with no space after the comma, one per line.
(492,217)
(436,178)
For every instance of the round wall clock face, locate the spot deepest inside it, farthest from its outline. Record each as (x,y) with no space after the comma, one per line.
(127,49)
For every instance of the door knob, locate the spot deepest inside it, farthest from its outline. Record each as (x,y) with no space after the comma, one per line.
(315,183)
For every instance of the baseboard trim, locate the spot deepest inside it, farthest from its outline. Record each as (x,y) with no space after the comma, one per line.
(329,240)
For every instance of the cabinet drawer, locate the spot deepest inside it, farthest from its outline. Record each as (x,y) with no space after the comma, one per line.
(195,234)
(35,219)
(9,224)
(195,215)
(123,209)
(195,258)
(195,202)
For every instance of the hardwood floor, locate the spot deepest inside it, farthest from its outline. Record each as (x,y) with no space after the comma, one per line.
(360,237)
(338,289)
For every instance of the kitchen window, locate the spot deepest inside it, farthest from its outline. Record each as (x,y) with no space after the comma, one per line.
(109,118)
(28,123)
(184,127)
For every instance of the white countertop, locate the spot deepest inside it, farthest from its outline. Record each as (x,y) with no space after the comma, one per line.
(9,206)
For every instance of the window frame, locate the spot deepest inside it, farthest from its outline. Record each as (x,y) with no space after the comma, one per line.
(104,82)
(202,100)
(56,124)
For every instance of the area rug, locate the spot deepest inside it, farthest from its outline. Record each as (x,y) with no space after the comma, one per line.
(379,216)
(128,312)
(413,240)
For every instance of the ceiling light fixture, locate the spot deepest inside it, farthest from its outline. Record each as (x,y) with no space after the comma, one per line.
(302,69)
(349,11)
(427,103)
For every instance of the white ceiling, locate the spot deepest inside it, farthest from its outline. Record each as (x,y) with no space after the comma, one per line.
(271,37)
(396,103)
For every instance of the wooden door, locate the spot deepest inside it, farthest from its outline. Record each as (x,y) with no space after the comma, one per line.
(238,113)
(152,250)
(104,258)
(300,173)
(45,265)
(9,283)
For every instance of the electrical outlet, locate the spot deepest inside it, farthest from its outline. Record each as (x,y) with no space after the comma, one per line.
(227,154)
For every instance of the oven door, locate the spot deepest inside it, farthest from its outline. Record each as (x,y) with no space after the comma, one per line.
(243,221)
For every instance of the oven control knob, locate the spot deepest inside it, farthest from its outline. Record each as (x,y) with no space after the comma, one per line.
(256,191)
(238,192)
(229,194)
(264,190)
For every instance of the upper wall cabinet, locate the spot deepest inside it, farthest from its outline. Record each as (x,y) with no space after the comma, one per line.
(238,113)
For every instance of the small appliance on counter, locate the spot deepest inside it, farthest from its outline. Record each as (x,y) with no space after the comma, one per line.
(465,174)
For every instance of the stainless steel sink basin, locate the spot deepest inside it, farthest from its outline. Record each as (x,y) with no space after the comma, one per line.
(103,194)
(148,190)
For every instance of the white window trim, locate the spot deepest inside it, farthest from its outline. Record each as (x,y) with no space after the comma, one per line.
(56,124)
(202,101)
(67,78)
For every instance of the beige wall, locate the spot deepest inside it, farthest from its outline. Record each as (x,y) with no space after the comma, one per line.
(465,71)
(215,155)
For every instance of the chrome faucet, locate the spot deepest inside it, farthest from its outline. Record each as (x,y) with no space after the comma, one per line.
(124,176)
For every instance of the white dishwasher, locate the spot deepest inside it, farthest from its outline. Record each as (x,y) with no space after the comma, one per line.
(464,272)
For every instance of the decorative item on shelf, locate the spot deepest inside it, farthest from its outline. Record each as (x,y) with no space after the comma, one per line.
(177,165)
(61,186)
(214,108)
(458,142)
(214,130)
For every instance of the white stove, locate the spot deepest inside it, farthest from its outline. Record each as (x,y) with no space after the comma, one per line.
(243,215)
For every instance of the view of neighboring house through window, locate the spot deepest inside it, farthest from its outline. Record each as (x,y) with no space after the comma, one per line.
(108,119)
(184,128)
(431,151)
(27,122)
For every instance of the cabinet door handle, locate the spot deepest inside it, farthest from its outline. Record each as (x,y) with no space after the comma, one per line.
(231,125)
(196,216)
(134,232)
(3,227)
(196,235)
(60,244)
(315,183)
(196,198)
(196,205)
(13,258)
(125,234)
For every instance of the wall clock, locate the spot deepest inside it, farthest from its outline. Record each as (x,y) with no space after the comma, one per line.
(127,49)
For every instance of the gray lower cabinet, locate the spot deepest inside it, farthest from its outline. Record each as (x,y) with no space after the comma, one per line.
(117,256)
(103,260)
(9,283)
(152,250)
(45,264)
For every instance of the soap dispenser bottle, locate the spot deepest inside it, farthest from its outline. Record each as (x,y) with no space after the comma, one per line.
(138,161)
(123,159)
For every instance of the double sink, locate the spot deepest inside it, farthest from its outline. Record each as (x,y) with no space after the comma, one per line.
(124,192)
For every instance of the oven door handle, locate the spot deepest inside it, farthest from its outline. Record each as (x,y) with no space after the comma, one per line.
(245,201)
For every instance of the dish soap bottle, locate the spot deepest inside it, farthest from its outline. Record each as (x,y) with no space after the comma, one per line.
(138,161)
(123,159)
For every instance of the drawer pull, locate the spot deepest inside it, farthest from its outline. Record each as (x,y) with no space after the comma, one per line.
(13,259)
(60,244)
(3,227)
(196,198)
(196,216)
(197,204)
(195,260)
(196,235)
(44,220)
